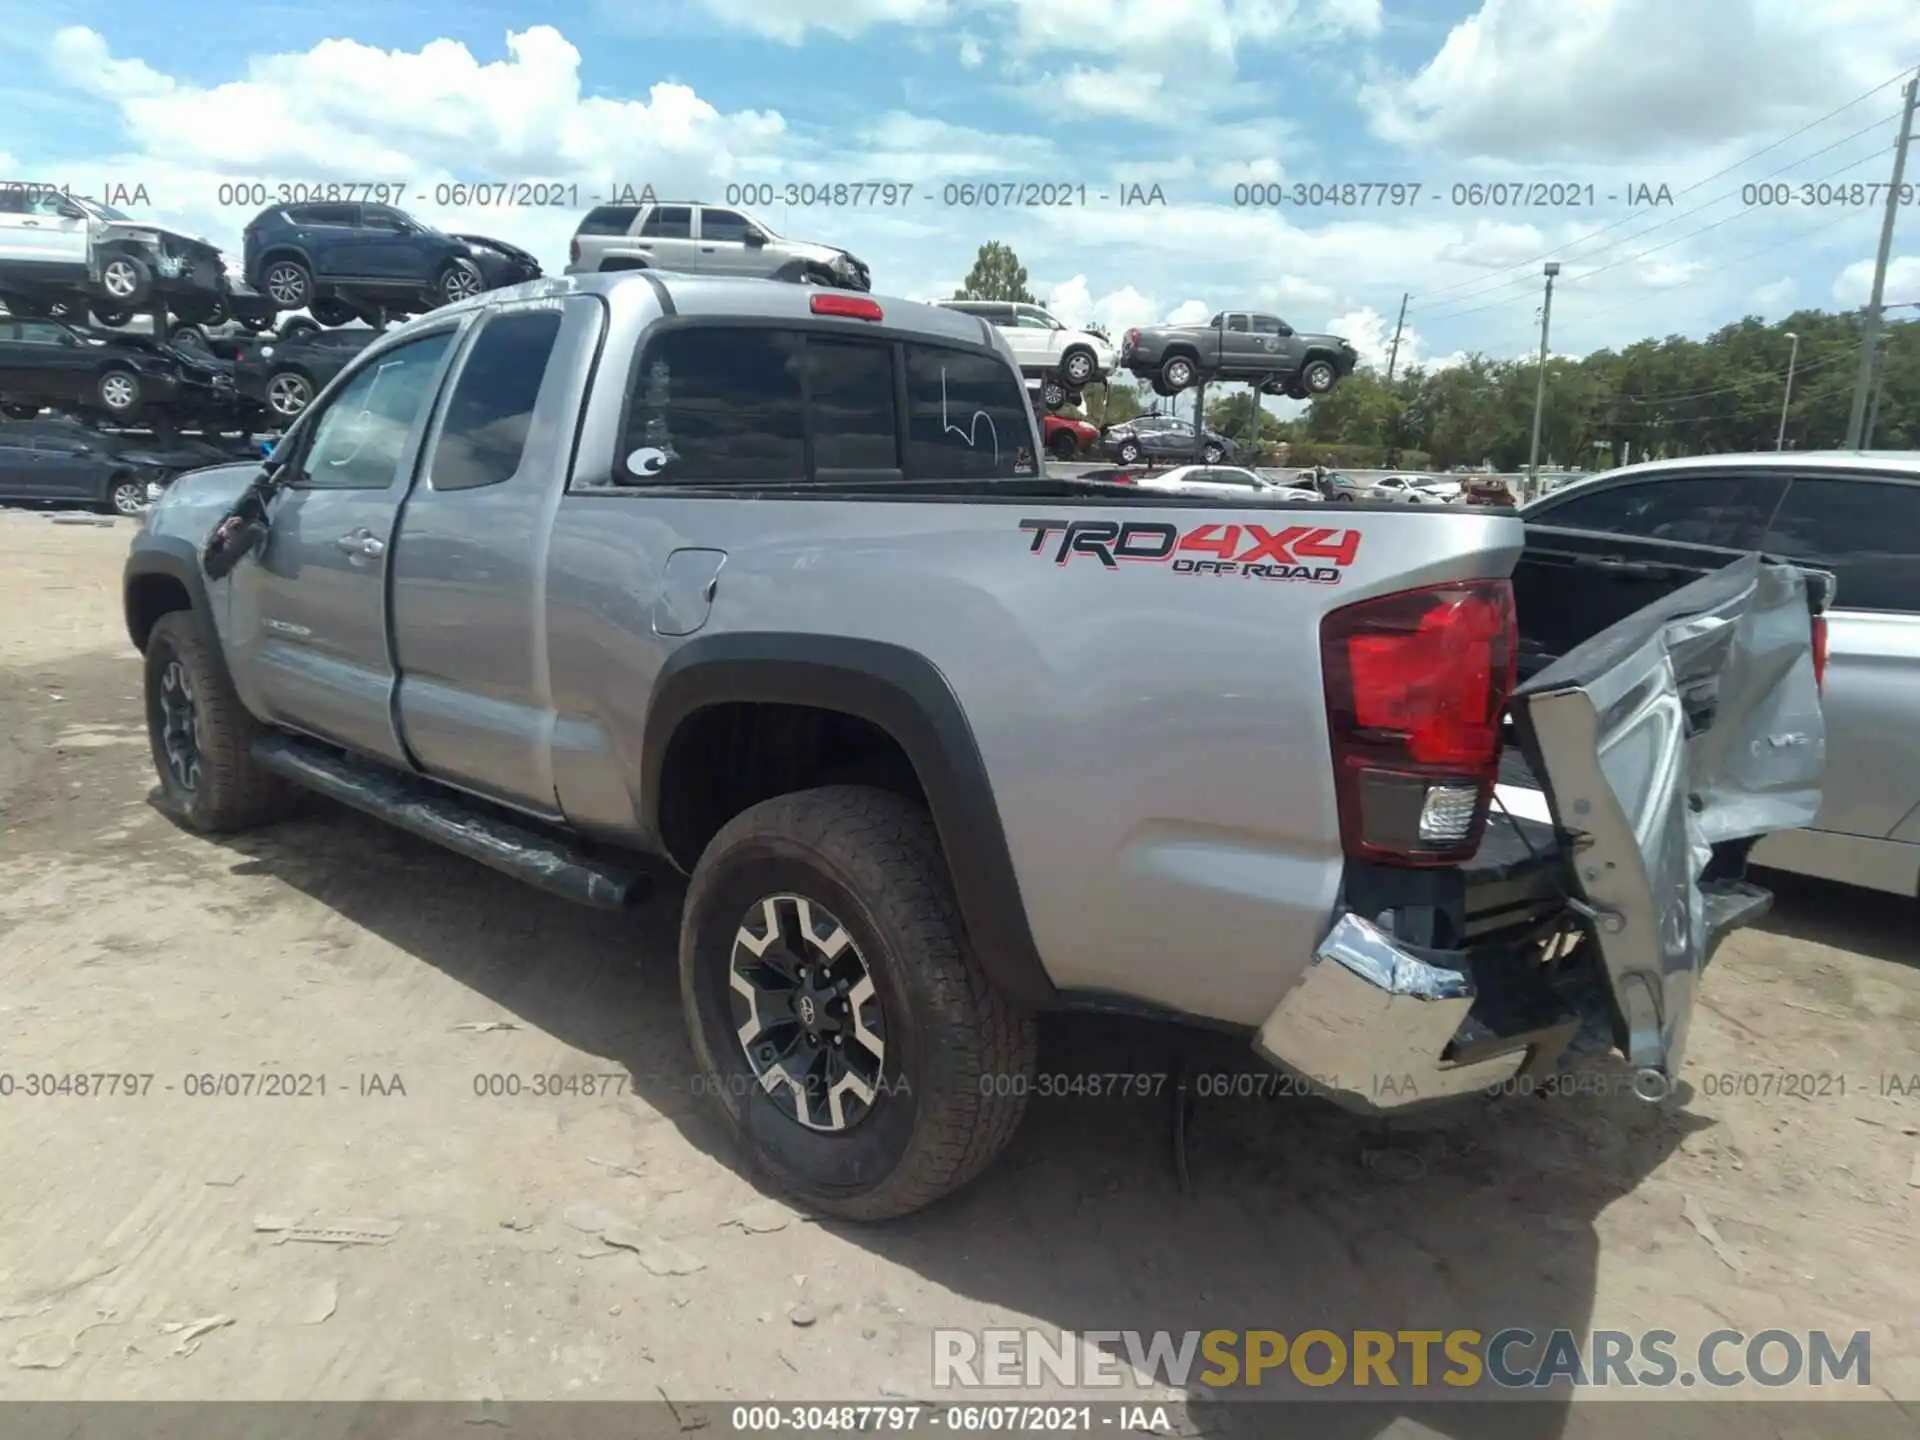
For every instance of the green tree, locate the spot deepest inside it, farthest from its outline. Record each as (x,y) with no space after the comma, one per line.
(1111,403)
(997,274)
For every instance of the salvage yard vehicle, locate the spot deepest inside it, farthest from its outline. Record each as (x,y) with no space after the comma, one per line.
(764,583)
(45,362)
(1044,348)
(59,250)
(337,260)
(1161,438)
(1242,346)
(691,237)
(41,465)
(282,374)
(1854,513)
(1067,437)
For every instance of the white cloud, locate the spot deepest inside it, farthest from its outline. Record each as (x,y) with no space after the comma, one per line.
(1188,312)
(790,20)
(1372,335)
(1854,285)
(1640,79)
(972,56)
(1073,303)
(1773,298)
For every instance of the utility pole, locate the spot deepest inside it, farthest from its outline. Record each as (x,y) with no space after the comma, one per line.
(1540,389)
(1393,355)
(1873,413)
(1792,357)
(1870,337)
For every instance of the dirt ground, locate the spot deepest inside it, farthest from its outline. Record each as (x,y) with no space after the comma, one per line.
(333,948)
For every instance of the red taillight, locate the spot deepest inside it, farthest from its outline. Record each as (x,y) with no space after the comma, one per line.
(853,307)
(1122,477)
(1417,685)
(1128,343)
(573,251)
(1820,653)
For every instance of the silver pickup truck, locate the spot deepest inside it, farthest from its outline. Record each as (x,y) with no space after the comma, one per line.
(602,576)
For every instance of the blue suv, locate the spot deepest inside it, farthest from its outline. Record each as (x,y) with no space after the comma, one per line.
(341,261)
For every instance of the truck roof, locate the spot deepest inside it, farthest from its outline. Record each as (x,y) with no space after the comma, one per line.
(722,295)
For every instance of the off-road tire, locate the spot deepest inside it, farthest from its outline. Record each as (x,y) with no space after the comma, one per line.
(960,1054)
(233,792)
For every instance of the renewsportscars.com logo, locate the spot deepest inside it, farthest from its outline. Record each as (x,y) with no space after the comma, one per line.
(1314,553)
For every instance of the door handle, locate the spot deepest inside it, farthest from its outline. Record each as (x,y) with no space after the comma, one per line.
(706,249)
(30,224)
(361,542)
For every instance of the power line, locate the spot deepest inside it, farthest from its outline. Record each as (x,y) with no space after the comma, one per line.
(1738,164)
(1738,385)
(1695,210)
(1770,408)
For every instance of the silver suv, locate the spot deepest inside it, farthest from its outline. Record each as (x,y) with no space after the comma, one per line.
(691,237)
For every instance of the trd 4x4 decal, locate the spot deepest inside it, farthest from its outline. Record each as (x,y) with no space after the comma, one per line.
(1314,553)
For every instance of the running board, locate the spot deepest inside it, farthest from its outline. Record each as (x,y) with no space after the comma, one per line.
(450,820)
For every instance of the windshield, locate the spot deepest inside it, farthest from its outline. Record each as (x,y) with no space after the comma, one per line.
(97,210)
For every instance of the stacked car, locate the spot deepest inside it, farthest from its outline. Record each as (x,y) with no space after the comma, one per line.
(1238,345)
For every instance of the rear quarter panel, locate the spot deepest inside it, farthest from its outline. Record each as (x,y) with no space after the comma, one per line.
(1155,741)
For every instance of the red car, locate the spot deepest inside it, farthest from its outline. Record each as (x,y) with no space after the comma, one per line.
(1067,438)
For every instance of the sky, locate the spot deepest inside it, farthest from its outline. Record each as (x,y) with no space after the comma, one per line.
(1464,142)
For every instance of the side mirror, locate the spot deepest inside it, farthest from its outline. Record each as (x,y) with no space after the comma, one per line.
(1285,330)
(754,239)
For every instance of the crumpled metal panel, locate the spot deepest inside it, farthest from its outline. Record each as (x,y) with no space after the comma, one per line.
(1689,725)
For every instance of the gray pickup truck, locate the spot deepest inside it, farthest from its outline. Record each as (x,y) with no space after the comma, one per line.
(1240,346)
(605,576)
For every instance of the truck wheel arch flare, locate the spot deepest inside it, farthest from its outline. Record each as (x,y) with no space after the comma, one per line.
(907,697)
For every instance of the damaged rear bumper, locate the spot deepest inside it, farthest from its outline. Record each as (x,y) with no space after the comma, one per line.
(1663,747)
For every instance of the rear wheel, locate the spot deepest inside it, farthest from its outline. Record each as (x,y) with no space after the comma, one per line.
(332,311)
(202,736)
(837,1012)
(1053,394)
(289,283)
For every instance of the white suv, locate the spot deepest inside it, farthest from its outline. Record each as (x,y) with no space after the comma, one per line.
(1065,360)
(60,253)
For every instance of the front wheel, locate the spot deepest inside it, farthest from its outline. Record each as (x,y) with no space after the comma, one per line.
(1129,453)
(202,736)
(288,393)
(1077,367)
(1063,446)
(119,391)
(127,496)
(837,1012)
(1212,454)
(1319,376)
(461,280)
(126,281)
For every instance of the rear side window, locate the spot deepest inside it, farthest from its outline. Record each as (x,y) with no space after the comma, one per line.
(325,214)
(850,405)
(967,417)
(608,220)
(1866,531)
(1727,510)
(490,412)
(669,222)
(716,404)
